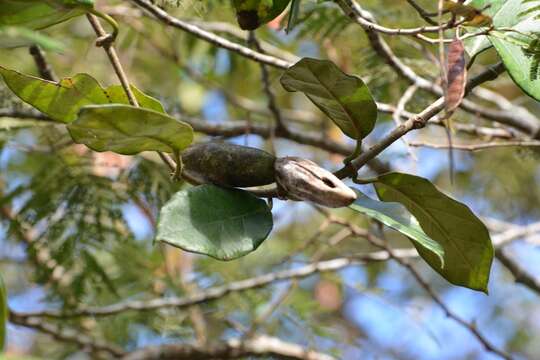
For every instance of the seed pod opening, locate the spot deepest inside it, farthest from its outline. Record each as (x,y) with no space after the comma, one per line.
(304,180)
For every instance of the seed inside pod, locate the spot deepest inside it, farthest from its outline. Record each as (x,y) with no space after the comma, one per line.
(303,180)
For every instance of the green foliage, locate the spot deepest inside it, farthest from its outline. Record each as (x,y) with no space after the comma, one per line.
(468,252)
(118,128)
(62,101)
(345,99)
(398,218)
(39,14)
(511,19)
(222,223)
(16,36)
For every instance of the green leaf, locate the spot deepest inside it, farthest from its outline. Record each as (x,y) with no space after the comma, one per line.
(117,95)
(293,15)
(345,99)
(397,217)
(478,44)
(468,252)
(253,13)
(222,223)
(515,15)
(62,101)
(39,14)
(128,130)
(3,313)
(16,36)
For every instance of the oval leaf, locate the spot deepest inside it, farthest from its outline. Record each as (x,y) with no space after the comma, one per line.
(468,252)
(61,101)
(345,99)
(128,130)
(398,218)
(222,223)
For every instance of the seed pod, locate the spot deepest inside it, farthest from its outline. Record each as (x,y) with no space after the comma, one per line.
(229,165)
(303,180)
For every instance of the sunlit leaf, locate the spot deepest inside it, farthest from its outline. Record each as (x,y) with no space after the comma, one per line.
(514,15)
(39,14)
(62,100)
(222,223)
(16,36)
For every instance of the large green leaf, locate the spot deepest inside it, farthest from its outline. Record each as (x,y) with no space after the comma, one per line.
(62,101)
(510,14)
(468,252)
(345,99)
(16,36)
(39,14)
(399,218)
(3,313)
(222,223)
(128,130)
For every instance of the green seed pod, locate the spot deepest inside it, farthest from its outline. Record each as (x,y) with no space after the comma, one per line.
(229,165)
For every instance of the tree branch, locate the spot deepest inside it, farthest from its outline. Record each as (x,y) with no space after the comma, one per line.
(258,346)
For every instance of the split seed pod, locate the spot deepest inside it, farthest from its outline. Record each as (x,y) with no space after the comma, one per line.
(304,180)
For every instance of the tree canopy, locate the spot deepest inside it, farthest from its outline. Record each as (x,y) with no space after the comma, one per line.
(269,179)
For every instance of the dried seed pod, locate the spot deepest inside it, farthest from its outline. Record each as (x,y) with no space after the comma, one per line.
(229,165)
(304,180)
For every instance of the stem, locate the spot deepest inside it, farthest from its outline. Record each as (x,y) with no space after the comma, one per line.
(113,58)
(108,19)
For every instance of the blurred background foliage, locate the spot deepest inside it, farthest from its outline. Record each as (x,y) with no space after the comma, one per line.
(96,212)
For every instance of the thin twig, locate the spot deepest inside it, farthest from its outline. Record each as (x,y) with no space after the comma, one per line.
(113,58)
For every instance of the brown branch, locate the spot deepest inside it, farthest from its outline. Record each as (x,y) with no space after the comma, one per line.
(259,346)
(113,58)
(65,335)
(219,41)
(517,270)
(477,147)
(379,243)
(517,117)
(44,68)
(218,292)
